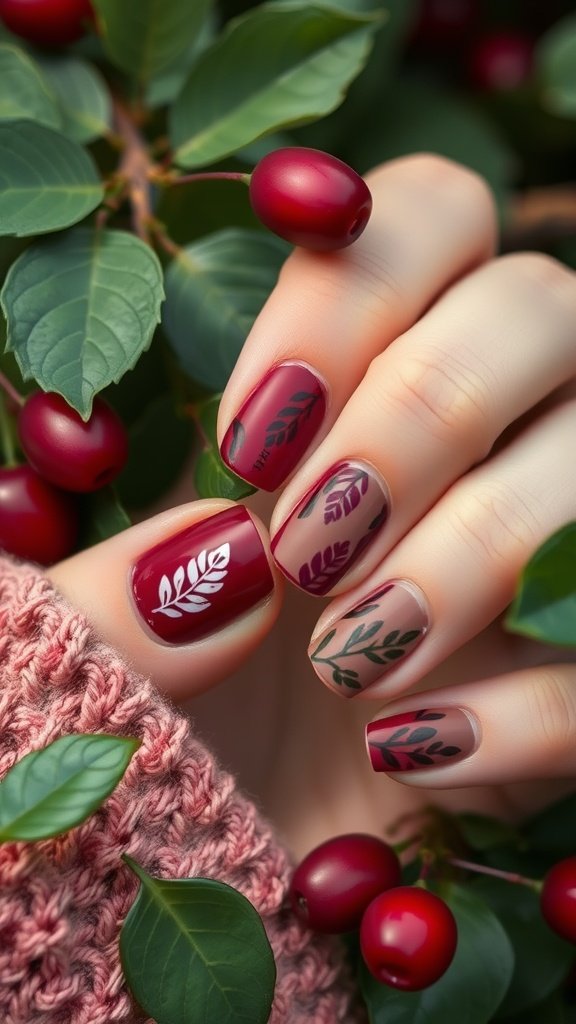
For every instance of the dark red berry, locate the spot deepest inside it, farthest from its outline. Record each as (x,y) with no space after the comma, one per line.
(335,882)
(310,198)
(37,522)
(558,898)
(65,450)
(502,62)
(47,22)
(408,937)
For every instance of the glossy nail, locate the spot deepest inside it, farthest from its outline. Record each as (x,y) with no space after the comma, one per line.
(332,526)
(271,432)
(370,639)
(203,578)
(417,740)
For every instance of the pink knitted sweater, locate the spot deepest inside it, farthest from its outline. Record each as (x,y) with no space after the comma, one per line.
(62,901)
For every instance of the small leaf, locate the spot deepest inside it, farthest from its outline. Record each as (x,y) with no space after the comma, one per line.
(164,590)
(364,609)
(56,788)
(212,478)
(422,734)
(556,58)
(394,654)
(238,439)
(24,91)
(285,64)
(102,515)
(83,96)
(391,638)
(408,637)
(179,576)
(324,642)
(47,181)
(545,604)
(195,949)
(81,308)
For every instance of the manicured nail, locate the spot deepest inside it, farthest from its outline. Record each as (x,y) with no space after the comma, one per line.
(332,526)
(275,426)
(417,740)
(203,578)
(371,638)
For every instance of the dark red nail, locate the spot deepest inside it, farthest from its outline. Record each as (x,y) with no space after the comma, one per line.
(415,740)
(199,580)
(275,426)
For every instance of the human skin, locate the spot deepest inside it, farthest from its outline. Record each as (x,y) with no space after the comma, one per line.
(450,373)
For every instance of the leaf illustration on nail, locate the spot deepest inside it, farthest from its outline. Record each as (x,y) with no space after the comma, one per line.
(287,420)
(204,574)
(405,748)
(238,438)
(344,493)
(305,512)
(315,576)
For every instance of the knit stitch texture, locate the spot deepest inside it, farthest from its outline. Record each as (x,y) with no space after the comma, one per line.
(62,901)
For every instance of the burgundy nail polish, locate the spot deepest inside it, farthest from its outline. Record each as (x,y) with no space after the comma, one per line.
(269,435)
(202,578)
(332,526)
(416,740)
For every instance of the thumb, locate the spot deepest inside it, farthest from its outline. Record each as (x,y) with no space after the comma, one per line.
(185,597)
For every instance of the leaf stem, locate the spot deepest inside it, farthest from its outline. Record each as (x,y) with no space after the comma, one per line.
(7,435)
(135,168)
(10,390)
(186,179)
(508,876)
(163,239)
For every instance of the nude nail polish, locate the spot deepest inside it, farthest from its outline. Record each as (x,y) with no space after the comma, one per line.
(369,640)
(420,740)
(201,579)
(334,523)
(275,426)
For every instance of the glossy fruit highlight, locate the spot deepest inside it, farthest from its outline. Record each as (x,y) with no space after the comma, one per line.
(37,522)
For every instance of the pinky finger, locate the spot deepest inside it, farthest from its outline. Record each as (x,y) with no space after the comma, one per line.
(506,729)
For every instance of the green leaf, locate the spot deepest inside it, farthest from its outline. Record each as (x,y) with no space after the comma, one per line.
(212,478)
(24,92)
(194,951)
(484,833)
(82,94)
(549,1011)
(542,959)
(550,832)
(56,788)
(161,439)
(214,291)
(47,181)
(556,62)
(164,87)
(146,37)
(81,308)
(286,63)
(472,987)
(545,604)
(102,515)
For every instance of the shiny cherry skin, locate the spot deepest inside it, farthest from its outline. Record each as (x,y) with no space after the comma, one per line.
(65,450)
(47,22)
(37,521)
(558,898)
(310,198)
(337,880)
(502,61)
(408,938)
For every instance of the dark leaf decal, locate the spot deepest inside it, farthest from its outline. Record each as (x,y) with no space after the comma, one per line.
(421,758)
(391,638)
(284,426)
(380,518)
(421,735)
(344,493)
(316,575)
(364,609)
(324,642)
(450,751)
(428,716)
(305,512)
(408,637)
(238,438)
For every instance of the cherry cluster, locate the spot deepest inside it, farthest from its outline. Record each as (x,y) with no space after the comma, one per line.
(408,935)
(65,457)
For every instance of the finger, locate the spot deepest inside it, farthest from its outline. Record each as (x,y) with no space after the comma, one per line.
(430,406)
(505,729)
(331,314)
(185,596)
(455,572)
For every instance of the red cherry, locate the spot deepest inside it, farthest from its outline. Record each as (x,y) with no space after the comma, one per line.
(310,198)
(408,937)
(336,881)
(558,898)
(502,61)
(37,522)
(65,450)
(47,22)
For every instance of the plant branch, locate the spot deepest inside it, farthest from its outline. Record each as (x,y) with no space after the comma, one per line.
(7,435)
(161,236)
(8,387)
(187,179)
(483,869)
(136,169)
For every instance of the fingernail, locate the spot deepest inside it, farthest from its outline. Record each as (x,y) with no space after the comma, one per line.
(373,637)
(332,526)
(417,740)
(275,426)
(202,578)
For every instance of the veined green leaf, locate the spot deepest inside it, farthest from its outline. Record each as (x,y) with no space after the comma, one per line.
(556,59)
(24,92)
(545,605)
(212,478)
(82,94)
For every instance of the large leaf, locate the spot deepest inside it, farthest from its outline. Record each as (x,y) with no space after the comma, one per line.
(146,37)
(556,59)
(214,290)
(212,478)
(24,92)
(194,951)
(473,986)
(160,443)
(102,515)
(47,181)
(56,788)
(82,94)
(81,308)
(545,604)
(283,63)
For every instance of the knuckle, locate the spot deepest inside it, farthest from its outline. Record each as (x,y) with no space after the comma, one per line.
(552,706)
(551,277)
(459,182)
(496,524)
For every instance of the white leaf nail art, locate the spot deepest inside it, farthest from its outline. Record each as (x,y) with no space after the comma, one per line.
(205,575)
